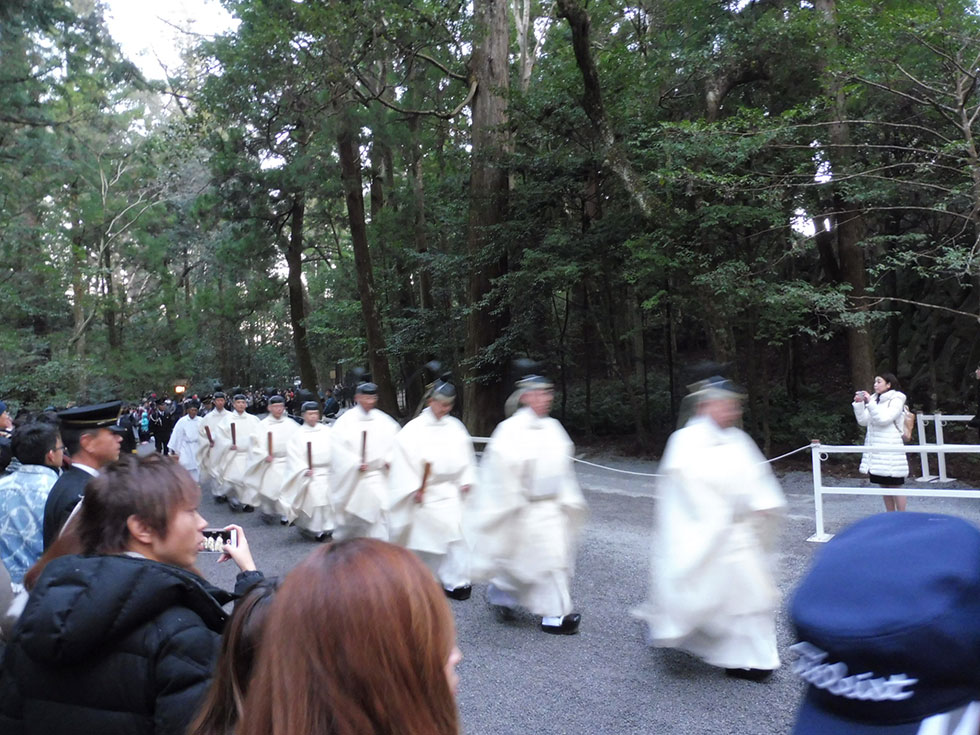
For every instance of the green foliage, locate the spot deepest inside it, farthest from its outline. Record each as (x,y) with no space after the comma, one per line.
(139,246)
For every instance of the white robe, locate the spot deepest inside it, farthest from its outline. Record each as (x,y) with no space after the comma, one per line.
(307,500)
(719,511)
(263,480)
(361,498)
(236,461)
(183,443)
(210,460)
(525,513)
(433,528)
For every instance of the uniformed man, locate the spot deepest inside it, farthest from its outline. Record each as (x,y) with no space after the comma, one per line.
(433,467)
(92,440)
(267,459)
(527,511)
(362,441)
(305,499)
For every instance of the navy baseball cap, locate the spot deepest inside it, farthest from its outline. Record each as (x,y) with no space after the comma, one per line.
(888,626)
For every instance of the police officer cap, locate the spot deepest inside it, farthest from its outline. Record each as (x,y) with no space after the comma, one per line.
(535,382)
(368,389)
(276,399)
(239,397)
(95,416)
(219,394)
(310,406)
(444,391)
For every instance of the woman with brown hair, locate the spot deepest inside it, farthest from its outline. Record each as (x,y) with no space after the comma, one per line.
(881,413)
(225,700)
(122,637)
(364,645)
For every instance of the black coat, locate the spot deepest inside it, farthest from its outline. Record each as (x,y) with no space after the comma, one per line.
(62,499)
(111,645)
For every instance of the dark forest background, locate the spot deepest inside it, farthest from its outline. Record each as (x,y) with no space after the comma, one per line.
(624,191)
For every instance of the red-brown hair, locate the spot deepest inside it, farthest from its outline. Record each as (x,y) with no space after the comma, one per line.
(359,634)
(222,708)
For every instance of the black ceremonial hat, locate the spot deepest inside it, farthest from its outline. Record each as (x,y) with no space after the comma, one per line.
(310,406)
(444,391)
(368,389)
(95,416)
(276,399)
(532,382)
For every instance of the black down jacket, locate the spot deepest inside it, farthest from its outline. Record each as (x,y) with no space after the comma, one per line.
(111,644)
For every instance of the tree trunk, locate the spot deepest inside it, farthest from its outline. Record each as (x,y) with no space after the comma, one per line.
(297,303)
(484,390)
(612,153)
(848,219)
(348,149)
(421,237)
(109,295)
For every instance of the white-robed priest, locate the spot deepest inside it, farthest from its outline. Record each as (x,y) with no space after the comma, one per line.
(184,438)
(212,447)
(305,499)
(362,441)
(242,426)
(267,459)
(719,511)
(526,512)
(433,467)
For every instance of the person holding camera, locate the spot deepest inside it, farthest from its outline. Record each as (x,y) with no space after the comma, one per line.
(881,412)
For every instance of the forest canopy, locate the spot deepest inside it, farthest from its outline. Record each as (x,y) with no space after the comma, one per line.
(623,192)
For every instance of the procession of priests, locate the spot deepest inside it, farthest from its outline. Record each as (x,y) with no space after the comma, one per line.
(513,519)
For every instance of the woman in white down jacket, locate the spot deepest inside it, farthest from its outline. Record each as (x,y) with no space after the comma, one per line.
(881,413)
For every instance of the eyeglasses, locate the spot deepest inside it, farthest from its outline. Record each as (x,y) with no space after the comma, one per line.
(59,448)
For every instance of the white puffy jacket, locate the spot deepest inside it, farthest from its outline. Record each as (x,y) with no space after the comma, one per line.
(883,417)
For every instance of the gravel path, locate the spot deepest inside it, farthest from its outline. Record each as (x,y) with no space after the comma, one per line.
(515,679)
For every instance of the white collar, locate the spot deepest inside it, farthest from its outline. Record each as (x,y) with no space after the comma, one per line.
(85,468)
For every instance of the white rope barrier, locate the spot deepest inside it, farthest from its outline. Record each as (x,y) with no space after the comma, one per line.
(804,448)
(484,440)
(614,469)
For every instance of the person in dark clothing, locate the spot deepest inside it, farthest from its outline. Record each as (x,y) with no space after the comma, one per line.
(330,405)
(161,425)
(93,441)
(122,638)
(127,430)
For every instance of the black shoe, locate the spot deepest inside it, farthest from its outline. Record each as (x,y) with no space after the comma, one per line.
(749,674)
(503,613)
(460,593)
(283,521)
(324,537)
(220,499)
(248,509)
(234,506)
(568,626)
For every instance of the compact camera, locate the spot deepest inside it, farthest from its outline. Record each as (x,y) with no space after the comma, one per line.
(215,539)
